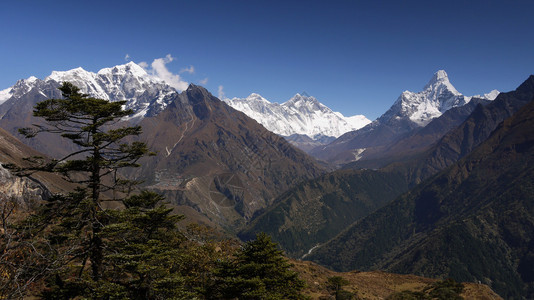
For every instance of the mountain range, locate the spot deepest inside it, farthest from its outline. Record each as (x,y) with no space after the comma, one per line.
(410,112)
(471,221)
(218,160)
(313,219)
(439,185)
(144,93)
(303,120)
(300,117)
(210,157)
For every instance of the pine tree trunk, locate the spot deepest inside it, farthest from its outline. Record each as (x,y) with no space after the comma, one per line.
(96,251)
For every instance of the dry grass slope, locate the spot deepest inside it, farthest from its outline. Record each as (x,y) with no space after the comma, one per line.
(375,284)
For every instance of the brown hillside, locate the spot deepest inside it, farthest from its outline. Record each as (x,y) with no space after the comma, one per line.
(375,284)
(217,160)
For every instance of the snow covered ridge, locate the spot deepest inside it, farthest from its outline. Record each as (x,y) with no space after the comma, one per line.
(438,96)
(301,114)
(129,82)
(21,87)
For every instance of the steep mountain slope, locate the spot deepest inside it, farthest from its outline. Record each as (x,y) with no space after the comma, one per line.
(336,200)
(419,141)
(145,94)
(339,198)
(315,211)
(474,130)
(474,221)
(410,112)
(24,190)
(301,115)
(210,157)
(218,160)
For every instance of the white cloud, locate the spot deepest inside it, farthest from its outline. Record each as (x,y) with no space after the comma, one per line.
(159,69)
(203,81)
(127,57)
(189,70)
(220,92)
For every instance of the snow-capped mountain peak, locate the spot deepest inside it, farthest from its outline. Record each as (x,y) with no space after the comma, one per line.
(145,94)
(77,73)
(5,94)
(438,96)
(304,103)
(489,96)
(21,87)
(85,80)
(255,97)
(302,114)
(440,82)
(32,79)
(130,68)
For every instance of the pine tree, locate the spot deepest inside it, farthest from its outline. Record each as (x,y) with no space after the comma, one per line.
(73,222)
(143,255)
(258,271)
(335,285)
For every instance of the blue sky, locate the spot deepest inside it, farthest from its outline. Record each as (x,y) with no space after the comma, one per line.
(354,56)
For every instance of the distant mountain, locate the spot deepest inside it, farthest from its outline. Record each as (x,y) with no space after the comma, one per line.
(460,141)
(473,221)
(437,97)
(410,112)
(145,95)
(337,199)
(340,198)
(218,160)
(300,116)
(212,158)
(417,142)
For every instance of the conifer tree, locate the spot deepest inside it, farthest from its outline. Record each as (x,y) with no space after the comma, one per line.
(76,220)
(143,254)
(258,271)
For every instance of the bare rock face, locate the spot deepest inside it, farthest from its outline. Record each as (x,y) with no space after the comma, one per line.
(22,190)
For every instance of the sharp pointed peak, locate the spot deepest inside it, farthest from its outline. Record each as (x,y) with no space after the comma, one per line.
(439,76)
(439,80)
(193,86)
